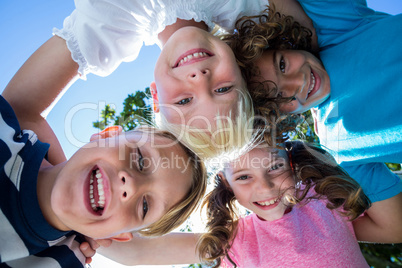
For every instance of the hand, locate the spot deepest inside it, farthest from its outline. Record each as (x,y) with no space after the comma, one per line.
(89,247)
(107,133)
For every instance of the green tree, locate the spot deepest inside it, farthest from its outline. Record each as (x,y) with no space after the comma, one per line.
(107,115)
(136,110)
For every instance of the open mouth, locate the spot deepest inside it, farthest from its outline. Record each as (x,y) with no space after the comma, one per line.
(314,84)
(191,56)
(97,197)
(268,202)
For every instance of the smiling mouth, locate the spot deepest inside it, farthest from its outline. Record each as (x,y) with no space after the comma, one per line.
(192,56)
(268,203)
(312,83)
(96,192)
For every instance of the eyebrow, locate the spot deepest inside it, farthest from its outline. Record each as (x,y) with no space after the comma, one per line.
(239,171)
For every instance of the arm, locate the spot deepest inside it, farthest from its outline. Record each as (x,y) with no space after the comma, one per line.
(294,9)
(382,222)
(174,248)
(36,85)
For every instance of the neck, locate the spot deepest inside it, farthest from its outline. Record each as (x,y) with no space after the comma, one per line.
(46,179)
(171,29)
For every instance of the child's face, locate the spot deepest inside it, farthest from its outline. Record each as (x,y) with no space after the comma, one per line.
(260,180)
(140,178)
(296,73)
(196,76)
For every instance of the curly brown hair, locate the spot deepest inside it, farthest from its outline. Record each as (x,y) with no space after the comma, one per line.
(253,35)
(313,168)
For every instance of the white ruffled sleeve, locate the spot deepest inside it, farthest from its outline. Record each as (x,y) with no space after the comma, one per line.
(227,15)
(101,34)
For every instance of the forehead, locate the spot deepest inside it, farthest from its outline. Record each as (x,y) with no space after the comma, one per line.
(147,137)
(256,158)
(266,65)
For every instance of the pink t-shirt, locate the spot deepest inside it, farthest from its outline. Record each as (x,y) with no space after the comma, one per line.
(308,236)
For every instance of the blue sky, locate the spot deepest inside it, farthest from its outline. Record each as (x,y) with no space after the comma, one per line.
(26,24)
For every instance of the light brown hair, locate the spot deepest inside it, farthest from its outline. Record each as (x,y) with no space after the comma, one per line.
(181,211)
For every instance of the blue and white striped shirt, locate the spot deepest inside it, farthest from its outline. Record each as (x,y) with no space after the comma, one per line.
(26,238)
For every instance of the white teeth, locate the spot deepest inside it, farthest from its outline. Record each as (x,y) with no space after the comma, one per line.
(312,83)
(267,203)
(194,55)
(100,191)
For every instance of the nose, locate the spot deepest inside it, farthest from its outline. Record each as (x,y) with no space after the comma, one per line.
(199,74)
(292,84)
(263,184)
(126,189)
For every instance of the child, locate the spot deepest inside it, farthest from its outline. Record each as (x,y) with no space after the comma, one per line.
(298,196)
(280,70)
(302,204)
(107,189)
(196,77)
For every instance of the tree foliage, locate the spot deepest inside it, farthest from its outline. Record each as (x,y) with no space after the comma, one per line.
(136,111)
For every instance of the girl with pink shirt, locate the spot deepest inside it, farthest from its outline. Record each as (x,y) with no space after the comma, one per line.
(307,212)
(301,201)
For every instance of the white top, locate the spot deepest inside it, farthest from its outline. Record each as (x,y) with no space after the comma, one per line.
(103,33)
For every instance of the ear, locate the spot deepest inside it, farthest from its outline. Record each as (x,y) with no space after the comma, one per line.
(222,177)
(123,237)
(154,94)
(107,133)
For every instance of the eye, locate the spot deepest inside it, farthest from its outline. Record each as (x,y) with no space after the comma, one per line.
(223,89)
(282,64)
(140,161)
(184,101)
(277,166)
(242,178)
(144,208)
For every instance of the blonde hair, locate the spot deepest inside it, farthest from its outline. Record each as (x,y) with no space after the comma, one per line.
(312,167)
(179,213)
(232,133)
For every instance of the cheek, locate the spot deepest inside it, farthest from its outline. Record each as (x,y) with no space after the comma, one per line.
(289,107)
(241,194)
(172,114)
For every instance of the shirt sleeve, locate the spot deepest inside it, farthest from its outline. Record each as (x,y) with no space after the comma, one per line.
(335,19)
(377,181)
(227,15)
(101,34)
(104,33)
